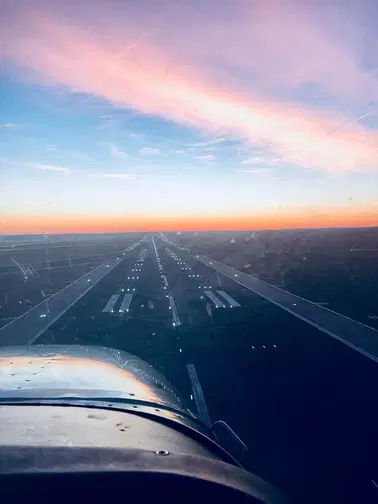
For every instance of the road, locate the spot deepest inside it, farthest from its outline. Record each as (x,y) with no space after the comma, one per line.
(302,401)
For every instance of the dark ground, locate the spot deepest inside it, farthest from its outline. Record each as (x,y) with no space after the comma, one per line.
(304,403)
(336,267)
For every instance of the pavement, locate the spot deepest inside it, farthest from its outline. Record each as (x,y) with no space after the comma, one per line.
(335,268)
(358,336)
(32,271)
(302,401)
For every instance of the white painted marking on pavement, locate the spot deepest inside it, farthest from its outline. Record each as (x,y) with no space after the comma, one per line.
(218,303)
(176,319)
(48,298)
(228,298)
(39,333)
(125,305)
(110,304)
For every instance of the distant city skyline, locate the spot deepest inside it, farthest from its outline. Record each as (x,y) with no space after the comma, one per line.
(155,115)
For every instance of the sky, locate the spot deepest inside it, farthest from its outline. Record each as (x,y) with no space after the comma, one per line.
(146,115)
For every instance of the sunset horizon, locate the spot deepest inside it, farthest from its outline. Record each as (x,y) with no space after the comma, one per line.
(248,116)
(277,221)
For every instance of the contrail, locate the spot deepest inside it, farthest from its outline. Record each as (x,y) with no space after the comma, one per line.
(354,121)
(364,115)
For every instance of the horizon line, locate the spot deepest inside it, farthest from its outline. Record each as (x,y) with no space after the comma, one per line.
(190,231)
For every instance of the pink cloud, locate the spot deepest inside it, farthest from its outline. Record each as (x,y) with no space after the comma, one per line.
(134,73)
(54,168)
(279,45)
(117,152)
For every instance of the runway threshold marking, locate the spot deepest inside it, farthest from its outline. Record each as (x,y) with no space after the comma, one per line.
(109,307)
(218,303)
(125,305)
(228,298)
(29,326)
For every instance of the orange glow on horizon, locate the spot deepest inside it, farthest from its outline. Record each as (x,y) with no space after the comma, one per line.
(364,216)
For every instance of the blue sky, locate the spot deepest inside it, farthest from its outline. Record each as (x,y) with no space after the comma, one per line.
(183,117)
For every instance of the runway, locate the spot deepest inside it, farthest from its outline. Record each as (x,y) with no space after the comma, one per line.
(301,400)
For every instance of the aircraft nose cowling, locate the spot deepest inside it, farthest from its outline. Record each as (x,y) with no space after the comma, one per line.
(82,371)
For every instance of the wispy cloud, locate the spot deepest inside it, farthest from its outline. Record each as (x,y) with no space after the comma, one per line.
(191,95)
(264,160)
(121,176)
(135,178)
(135,136)
(148,151)
(54,168)
(253,160)
(117,152)
(208,142)
(70,153)
(115,120)
(248,170)
(11,125)
(205,157)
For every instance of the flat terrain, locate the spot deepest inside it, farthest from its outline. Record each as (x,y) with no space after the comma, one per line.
(337,268)
(35,267)
(302,401)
